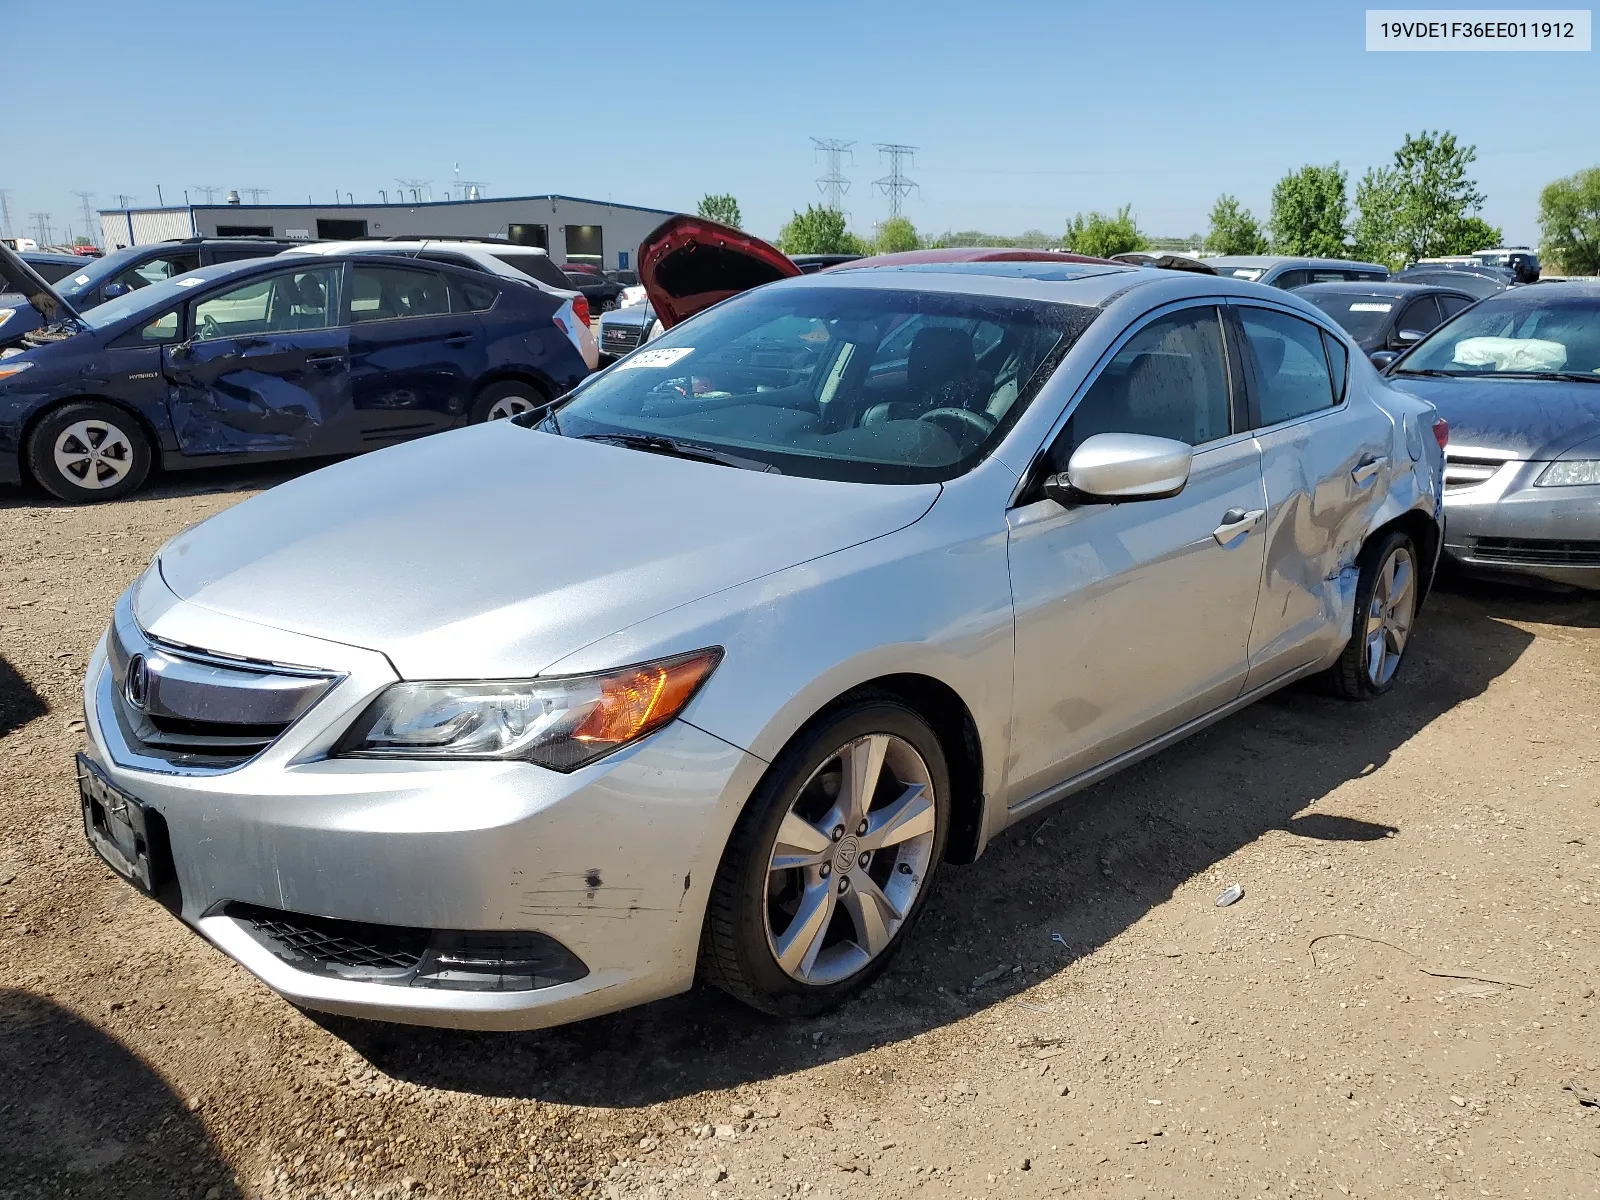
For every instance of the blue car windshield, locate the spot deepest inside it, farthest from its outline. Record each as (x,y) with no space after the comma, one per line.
(1535,330)
(150,299)
(865,384)
(95,271)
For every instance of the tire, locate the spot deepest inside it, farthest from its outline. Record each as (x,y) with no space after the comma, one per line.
(507,399)
(815,911)
(1372,658)
(89,451)
(609,304)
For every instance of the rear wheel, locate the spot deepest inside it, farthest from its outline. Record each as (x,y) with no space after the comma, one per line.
(1387,592)
(509,399)
(88,451)
(830,863)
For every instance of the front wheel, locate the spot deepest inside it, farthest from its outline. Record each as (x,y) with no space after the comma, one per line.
(89,451)
(830,862)
(1387,592)
(501,400)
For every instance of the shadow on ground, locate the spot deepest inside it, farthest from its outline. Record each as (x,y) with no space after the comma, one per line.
(201,481)
(1088,869)
(81,1115)
(19,703)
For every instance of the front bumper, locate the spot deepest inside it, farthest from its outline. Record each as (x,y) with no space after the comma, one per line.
(613,861)
(1508,526)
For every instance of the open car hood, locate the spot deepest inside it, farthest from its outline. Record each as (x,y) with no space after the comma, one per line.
(688,263)
(17,276)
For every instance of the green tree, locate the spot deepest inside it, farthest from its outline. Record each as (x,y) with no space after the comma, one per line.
(1469,235)
(896,234)
(723,208)
(1103,236)
(1420,206)
(1310,212)
(1234,230)
(1569,222)
(819,231)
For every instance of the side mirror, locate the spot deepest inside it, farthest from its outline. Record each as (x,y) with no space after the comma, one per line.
(1122,466)
(112,290)
(1410,335)
(1383,358)
(180,351)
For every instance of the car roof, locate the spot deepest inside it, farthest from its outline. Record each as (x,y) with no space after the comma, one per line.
(969,254)
(52,256)
(1276,260)
(386,245)
(1374,287)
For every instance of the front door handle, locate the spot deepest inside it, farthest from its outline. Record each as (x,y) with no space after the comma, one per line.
(458,339)
(1237,522)
(325,358)
(1367,469)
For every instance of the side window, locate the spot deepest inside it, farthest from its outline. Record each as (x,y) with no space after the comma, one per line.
(288,303)
(1338,363)
(154,270)
(1449,306)
(1291,365)
(468,295)
(382,293)
(1292,279)
(1421,314)
(1169,380)
(163,329)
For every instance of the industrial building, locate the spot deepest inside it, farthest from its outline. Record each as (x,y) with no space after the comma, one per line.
(591,232)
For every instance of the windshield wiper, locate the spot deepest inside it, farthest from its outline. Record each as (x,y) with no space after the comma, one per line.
(656,444)
(1568,376)
(1432,371)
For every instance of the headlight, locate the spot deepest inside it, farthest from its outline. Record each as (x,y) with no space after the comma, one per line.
(8,369)
(1570,473)
(560,723)
(6,314)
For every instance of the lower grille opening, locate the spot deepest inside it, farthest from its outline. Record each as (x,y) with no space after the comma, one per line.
(1537,552)
(405,956)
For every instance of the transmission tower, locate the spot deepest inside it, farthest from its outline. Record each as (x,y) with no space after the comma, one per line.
(209,189)
(471,189)
(415,187)
(833,185)
(41,227)
(87,200)
(255,194)
(895,185)
(124,200)
(5,211)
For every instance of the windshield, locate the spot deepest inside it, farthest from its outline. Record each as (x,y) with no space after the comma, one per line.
(836,383)
(149,298)
(1248,274)
(96,271)
(1529,330)
(1359,316)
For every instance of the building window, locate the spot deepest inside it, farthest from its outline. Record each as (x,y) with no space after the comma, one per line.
(529,235)
(244,230)
(585,244)
(340,230)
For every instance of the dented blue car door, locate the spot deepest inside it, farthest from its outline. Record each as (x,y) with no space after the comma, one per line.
(266,368)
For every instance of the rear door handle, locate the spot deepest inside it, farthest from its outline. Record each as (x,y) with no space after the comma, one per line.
(1237,522)
(325,358)
(457,339)
(1367,468)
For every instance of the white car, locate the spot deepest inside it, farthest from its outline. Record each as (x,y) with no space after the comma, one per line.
(526,264)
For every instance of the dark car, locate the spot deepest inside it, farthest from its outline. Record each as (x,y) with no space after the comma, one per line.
(135,267)
(810,264)
(1386,317)
(600,292)
(270,358)
(1518,378)
(1474,280)
(52,267)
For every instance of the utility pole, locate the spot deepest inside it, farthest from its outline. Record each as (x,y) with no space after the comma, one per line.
(895,185)
(833,185)
(255,194)
(41,227)
(87,200)
(5,211)
(209,189)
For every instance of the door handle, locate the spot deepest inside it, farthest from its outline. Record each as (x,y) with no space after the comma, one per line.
(1367,468)
(457,339)
(1237,522)
(326,358)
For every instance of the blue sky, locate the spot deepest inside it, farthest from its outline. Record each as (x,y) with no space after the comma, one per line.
(1024,113)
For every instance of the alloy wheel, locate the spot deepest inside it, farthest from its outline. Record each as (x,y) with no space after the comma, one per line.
(1390,614)
(93,454)
(850,859)
(510,406)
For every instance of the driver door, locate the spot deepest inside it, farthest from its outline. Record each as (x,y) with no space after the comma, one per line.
(266,369)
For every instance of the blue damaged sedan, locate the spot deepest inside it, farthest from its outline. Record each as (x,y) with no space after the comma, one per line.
(270,358)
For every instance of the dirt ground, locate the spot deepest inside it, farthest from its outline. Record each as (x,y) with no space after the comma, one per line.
(1402,1004)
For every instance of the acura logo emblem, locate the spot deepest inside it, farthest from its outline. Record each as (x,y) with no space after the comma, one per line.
(136,687)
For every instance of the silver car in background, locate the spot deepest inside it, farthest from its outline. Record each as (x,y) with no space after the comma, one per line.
(705,670)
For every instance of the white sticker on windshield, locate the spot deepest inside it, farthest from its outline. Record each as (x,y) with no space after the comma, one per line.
(188,282)
(81,279)
(664,357)
(1370,307)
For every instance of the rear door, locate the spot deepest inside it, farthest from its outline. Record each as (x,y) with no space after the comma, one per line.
(413,361)
(1324,459)
(265,369)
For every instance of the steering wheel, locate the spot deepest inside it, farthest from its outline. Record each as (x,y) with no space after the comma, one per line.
(209,328)
(961,423)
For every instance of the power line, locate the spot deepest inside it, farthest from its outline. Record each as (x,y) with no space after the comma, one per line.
(833,185)
(895,185)
(87,200)
(255,194)
(41,227)
(210,189)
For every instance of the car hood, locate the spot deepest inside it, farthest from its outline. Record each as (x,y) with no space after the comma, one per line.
(497,550)
(688,263)
(1534,419)
(18,277)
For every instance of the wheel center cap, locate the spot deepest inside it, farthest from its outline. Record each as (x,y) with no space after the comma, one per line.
(845,853)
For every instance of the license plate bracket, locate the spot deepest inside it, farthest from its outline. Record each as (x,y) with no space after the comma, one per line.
(122,831)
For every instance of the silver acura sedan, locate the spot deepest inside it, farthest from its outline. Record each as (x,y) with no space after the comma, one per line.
(706,670)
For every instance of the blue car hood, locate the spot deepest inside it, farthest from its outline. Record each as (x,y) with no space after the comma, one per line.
(1535,419)
(494,551)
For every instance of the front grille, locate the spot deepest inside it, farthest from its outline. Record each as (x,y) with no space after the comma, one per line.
(404,956)
(1466,469)
(1538,552)
(619,337)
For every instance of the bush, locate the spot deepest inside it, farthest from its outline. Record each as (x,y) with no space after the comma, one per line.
(1103,236)
(1569,222)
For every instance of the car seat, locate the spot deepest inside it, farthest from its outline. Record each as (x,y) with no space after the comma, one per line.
(941,372)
